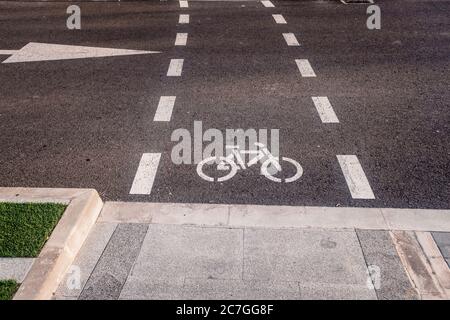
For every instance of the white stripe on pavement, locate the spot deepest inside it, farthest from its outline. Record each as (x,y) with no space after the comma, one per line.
(184,4)
(175,68)
(181,39)
(165,107)
(325,110)
(279,19)
(145,174)
(305,68)
(184,18)
(267,4)
(291,40)
(355,177)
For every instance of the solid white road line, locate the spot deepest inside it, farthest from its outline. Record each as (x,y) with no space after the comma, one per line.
(184,4)
(291,40)
(165,107)
(305,68)
(175,68)
(279,19)
(355,177)
(181,39)
(325,110)
(267,4)
(145,174)
(184,18)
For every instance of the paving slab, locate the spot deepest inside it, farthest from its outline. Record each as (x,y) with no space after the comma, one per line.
(15,268)
(379,251)
(443,242)
(320,291)
(86,260)
(305,256)
(111,271)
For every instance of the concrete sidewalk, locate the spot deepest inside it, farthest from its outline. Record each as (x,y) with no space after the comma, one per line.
(169,251)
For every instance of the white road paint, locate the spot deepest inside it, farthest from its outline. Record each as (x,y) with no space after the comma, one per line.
(145,174)
(291,40)
(165,107)
(305,68)
(355,177)
(34,51)
(184,18)
(279,19)
(184,4)
(175,68)
(267,4)
(181,39)
(325,110)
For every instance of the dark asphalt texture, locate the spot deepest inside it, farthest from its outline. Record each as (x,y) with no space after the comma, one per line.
(86,123)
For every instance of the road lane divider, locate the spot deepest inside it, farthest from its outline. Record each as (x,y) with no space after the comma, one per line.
(165,108)
(355,177)
(279,19)
(175,68)
(183,19)
(325,110)
(181,39)
(291,40)
(145,174)
(305,68)
(184,4)
(267,4)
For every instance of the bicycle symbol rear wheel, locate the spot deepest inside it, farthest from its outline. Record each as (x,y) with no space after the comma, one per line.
(266,172)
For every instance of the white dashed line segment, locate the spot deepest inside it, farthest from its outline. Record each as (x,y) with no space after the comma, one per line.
(355,177)
(184,18)
(184,4)
(279,19)
(267,4)
(175,68)
(165,108)
(181,39)
(291,40)
(305,68)
(325,110)
(145,174)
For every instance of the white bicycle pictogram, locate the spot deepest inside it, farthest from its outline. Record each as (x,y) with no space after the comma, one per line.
(234,162)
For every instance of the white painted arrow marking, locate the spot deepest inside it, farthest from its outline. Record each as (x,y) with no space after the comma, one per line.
(50,52)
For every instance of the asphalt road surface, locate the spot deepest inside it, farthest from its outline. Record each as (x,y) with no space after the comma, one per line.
(88,122)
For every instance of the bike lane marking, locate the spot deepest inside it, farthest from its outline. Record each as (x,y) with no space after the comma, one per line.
(165,108)
(145,174)
(325,110)
(355,177)
(279,19)
(267,4)
(305,68)
(175,67)
(291,40)
(181,39)
(184,4)
(183,19)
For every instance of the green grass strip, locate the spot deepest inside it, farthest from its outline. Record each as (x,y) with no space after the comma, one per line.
(25,227)
(7,289)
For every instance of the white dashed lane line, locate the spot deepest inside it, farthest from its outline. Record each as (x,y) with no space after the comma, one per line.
(184,18)
(291,40)
(175,68)
(279,19)
(355,177)
(325,110)
(181,39)
(267,4)
(184,4)
(145,174)
(165,108)
(305,68)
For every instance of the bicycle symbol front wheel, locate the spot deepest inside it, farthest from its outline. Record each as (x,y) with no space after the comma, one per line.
(266,172)
(212,161)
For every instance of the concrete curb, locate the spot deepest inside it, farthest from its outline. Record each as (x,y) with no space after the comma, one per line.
(218,215)
(84,206)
